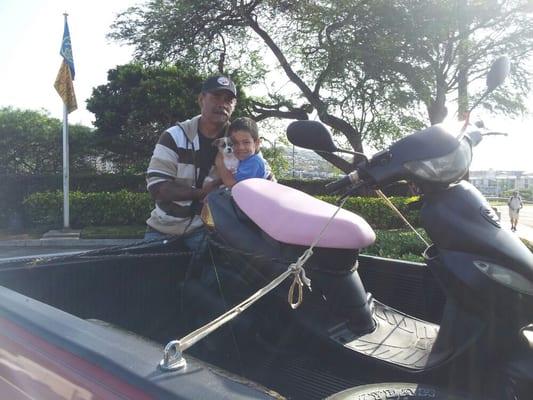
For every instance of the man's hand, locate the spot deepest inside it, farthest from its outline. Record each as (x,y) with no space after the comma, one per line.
(210,185)
(224,173)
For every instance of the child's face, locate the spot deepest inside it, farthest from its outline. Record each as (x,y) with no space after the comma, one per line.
(243,144)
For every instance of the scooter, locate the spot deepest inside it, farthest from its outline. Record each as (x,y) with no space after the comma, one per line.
(483,347)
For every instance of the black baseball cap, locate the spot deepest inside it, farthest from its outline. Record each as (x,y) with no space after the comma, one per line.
(219,82)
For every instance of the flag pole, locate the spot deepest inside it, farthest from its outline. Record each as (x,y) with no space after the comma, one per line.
(66,209)
(65,88)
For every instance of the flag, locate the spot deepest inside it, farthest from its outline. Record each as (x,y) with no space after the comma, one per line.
(65,75)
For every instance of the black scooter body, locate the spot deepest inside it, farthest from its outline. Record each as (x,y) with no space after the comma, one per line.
(350,317)
(459,219)
(457,259)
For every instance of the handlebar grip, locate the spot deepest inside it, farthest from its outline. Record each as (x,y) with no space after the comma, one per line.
(338,184)
(347,180)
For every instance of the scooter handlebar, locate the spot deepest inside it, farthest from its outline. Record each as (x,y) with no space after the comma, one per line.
(347,180)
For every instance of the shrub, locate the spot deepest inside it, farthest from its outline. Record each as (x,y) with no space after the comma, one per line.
(103,208)
(377,213)
(398,243)
(124,208)
(21,186)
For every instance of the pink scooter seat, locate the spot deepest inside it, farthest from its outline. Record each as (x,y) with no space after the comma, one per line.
(294,217)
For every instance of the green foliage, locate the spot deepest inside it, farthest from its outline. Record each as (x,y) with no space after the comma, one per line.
(31,143)
(398,243)
(364,68)
(275,154)
(124,207)
(377,213)
(104,208)
(138,103)
(277,160)
(137,96)
(21,186)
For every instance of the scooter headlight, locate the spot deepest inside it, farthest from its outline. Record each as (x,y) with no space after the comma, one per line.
(505,276)
(445,169)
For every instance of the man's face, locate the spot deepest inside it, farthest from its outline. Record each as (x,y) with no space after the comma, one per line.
(217,107)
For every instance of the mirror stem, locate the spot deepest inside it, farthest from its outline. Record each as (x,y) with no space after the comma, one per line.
(353,153)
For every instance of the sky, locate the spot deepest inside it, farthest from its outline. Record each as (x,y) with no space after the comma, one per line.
(31,32)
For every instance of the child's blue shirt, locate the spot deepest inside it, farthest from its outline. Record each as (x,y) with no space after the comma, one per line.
(254,166)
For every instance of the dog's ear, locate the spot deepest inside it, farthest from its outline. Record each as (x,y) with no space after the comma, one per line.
(217,142)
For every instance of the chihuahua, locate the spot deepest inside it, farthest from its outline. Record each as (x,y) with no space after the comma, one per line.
(225,146)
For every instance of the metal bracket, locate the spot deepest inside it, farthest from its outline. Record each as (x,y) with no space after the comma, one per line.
(173,359)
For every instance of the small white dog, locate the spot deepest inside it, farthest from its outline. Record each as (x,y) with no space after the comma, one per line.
(225,146)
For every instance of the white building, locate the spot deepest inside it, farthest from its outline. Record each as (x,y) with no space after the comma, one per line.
(494,183)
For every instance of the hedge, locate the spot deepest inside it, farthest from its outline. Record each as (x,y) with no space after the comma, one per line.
(401,244)
(15,188)
(377,213)
(125,208)
(88,209)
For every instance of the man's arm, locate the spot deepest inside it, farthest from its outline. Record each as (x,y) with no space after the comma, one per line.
(173,191)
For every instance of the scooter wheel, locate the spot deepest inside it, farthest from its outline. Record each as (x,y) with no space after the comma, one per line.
(396,391)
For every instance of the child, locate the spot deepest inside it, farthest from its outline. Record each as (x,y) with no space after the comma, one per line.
(245,137)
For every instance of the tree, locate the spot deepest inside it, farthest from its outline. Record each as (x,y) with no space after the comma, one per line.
(358,65)
(445,46)
(138,103)
(274,153)
(31,143)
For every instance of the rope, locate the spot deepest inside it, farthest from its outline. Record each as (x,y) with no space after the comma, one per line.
(389,203)
(193,337)
(300,279)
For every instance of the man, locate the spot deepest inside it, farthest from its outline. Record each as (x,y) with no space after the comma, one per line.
(182,160)
(515,204)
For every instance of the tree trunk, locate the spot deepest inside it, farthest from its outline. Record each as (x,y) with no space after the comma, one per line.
(437,110)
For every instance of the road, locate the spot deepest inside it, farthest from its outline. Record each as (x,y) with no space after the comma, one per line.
(526,216)
(525,222)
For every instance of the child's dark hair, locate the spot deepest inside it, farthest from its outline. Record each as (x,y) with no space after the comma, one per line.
(244,124)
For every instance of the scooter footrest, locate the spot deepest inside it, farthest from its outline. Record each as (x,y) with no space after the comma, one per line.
(398,339)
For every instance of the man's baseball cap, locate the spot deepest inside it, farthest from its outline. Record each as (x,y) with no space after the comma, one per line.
(219,82)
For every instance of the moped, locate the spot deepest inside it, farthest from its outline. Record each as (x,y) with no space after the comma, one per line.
(483,346)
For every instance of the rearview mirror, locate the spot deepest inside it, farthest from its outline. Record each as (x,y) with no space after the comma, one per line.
(498,72)
(311,135)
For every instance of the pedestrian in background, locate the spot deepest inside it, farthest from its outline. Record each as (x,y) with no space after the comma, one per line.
(515,204)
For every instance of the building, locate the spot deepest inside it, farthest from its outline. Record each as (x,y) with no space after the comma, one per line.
(494,183)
